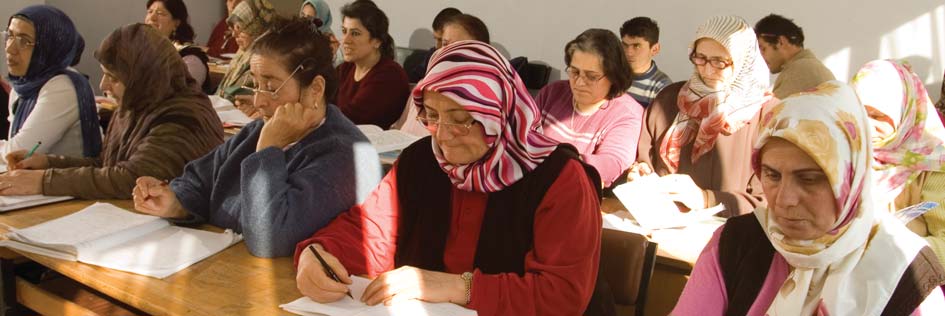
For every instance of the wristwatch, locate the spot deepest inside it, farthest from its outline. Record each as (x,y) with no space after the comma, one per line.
(467,279)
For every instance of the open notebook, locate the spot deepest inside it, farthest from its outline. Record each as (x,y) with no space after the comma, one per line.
(387,140)
(108,236)
(653,209)
(353,307)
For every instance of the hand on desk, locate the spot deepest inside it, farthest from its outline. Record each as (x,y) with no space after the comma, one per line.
(406,283)
(314,283)
(287,125)
(21,182)
(155,197)
(15,160)
(638,170)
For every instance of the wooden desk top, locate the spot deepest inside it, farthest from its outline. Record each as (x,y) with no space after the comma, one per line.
(232,282)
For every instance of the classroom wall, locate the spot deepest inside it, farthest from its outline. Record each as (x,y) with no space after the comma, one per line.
(844,33)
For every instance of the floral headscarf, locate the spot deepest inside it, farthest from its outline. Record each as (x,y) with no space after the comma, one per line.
(253,16)
(704,113)
(476,76)
(829,273)
(916,143)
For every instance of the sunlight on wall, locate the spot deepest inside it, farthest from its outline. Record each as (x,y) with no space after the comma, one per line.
(919,41)
(839,64)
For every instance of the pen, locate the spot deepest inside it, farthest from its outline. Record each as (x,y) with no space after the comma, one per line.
(331,274)
(30,153)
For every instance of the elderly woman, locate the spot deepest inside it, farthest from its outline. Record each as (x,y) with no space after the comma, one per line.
(249,20)
(487,213)
(591,110)
(221,38)
(171,19)
(697,134)
(908,139)
(821,246)
(162,122)
(284,177)
(373,86)
(52,105)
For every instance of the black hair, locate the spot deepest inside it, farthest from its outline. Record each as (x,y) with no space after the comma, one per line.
(608,47)
(641,26)
(773,26)
(374,20)
(296,41)
(178,10)
(441,17)
(473,25)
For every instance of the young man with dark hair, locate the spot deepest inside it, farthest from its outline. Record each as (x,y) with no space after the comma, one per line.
(640,37)
(419,70)
(782,45)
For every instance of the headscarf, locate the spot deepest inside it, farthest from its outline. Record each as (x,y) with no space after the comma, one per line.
(58,44)
(322,12)
(157,86)
(704,113)
(836,274)
(916,143)
(254,17)
(478,78)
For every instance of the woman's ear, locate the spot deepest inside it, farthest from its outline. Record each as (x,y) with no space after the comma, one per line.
(316,90)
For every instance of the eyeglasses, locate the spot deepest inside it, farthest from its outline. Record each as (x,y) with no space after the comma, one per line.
(589,77)
(273,94)
(717,63)
(21,41)
(433,124)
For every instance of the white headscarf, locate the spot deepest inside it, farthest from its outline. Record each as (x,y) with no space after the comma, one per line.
(854,268)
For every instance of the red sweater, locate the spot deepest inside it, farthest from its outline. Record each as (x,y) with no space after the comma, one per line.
(215,46)
(378,98)
(560,271)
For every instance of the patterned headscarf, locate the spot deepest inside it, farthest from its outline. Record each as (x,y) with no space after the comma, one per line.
(704,113)
(253,16)
(476,76)
(830,125)
(58,44)
(916,143)
(322,12)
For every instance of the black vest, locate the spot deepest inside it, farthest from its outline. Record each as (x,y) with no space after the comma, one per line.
(424,192)
(745,255)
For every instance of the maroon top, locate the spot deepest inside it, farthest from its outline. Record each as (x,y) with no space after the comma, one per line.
(378,98)
(215,46)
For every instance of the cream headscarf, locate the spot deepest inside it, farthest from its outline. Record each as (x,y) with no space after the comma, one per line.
(854,268)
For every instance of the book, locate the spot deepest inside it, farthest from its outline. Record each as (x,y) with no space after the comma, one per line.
(348,306)
(652,208)
(387,140)
(108,236)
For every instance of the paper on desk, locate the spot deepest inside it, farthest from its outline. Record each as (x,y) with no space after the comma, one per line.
(221,104)
(234,117)
(353,307)
(653,209)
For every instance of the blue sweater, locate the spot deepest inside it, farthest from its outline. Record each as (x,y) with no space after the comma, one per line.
(277,198)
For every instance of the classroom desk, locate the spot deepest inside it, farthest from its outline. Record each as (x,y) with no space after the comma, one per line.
(675,256)
(232,282)
(217,71)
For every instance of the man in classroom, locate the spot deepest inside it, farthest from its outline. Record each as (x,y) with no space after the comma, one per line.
(640,37)
(782,46)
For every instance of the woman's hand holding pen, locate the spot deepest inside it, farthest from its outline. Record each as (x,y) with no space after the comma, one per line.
(19,160)
(313,281)
(155,197)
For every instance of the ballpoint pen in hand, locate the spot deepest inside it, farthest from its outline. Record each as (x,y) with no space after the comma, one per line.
(32,151)
(331,274)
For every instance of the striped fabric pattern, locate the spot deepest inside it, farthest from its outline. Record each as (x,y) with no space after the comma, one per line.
(477,77)
(704,113)
(646,86)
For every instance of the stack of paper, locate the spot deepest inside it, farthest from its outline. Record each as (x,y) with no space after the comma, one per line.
(351,307)
(105,235)
(652,208)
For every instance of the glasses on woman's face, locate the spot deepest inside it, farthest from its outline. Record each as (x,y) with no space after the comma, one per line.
(19,41)
(590,77)
(433,124)
(273,94)
(717,63)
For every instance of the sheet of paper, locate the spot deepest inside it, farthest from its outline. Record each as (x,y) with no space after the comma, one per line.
(221,104)
(653,209)
(348,306)
(15,202)
(93,222)
(234,117)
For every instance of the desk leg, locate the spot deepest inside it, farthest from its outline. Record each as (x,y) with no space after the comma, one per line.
(666,285)
(8,303)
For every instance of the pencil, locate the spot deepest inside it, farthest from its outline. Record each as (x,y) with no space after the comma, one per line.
(331,274)
(30,153)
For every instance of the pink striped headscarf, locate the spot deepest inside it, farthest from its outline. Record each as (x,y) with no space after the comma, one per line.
(476,76)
